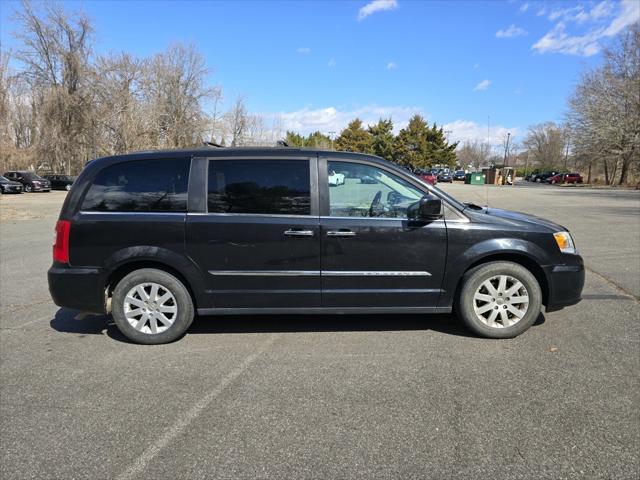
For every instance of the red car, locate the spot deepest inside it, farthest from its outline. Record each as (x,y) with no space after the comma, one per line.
(565,178)
(429,177)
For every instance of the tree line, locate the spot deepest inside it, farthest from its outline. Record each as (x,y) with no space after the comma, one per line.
(418,145)
(66,105)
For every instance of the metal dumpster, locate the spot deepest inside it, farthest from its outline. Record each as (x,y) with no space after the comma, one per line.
(475,178)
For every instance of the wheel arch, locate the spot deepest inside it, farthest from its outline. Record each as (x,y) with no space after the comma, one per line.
(130,259)
(518,258)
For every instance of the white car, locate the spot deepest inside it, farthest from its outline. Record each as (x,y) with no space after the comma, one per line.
(336,179)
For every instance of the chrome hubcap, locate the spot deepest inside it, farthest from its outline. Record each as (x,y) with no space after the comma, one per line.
(501,301)
(150,308)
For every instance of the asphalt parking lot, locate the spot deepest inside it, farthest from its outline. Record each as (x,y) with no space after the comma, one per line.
(334,396)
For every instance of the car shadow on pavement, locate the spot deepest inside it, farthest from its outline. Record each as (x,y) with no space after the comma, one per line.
(71,321)
(82,324)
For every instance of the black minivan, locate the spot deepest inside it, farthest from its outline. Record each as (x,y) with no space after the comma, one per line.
(155,237)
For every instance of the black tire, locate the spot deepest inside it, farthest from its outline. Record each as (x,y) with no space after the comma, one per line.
(473,280)
(67,187)
(183,316)
(27,188)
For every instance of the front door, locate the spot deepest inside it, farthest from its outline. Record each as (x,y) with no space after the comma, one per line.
(258,244)
(372,256)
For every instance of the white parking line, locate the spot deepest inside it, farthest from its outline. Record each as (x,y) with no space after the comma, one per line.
(143,460)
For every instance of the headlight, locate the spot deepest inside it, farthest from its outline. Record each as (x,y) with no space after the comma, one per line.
(36,183)
(565,242)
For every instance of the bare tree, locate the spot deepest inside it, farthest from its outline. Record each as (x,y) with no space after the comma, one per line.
(120,112)
(605,110)
(56,50)
(545,144)
(175,90)
(237,120)
(473,153)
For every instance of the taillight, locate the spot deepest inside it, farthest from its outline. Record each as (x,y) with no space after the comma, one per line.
(61,247)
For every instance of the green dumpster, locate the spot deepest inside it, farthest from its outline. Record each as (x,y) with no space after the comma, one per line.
(475,178)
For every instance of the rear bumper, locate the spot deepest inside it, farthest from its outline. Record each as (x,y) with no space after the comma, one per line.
(77,288)
(565,284)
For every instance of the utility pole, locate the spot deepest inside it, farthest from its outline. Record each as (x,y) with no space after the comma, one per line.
(506,149)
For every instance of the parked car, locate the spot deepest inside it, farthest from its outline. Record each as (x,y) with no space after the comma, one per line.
(459,175)
(542,177)
(29,180)
(572,178)
(336,179)
(565,178)
(60,182)
(155,237)
(429,177)
(445,177)
(9,186)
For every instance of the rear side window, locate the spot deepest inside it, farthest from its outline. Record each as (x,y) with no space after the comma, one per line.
(143,185)
(259,186)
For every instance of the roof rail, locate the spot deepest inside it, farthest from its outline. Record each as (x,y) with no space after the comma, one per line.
(212,144)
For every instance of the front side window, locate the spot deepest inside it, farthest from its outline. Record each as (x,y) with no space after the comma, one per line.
(140,186)
(368,191)
(276,187)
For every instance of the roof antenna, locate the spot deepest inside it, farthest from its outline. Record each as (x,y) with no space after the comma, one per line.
(486,187)
(282,143)
(212,144)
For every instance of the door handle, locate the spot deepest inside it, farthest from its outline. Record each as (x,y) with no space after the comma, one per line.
(341,233)
(292,232)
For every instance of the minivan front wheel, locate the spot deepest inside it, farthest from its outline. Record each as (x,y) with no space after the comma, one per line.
(499,299)
(152,307)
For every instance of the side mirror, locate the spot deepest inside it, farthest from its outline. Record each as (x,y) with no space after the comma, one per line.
(428,208)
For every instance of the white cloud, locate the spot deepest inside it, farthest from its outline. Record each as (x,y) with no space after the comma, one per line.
(476,66)
(376,6)
(332,119)
(392,66)
(303,50)
(468,131)
(557,40)
(483,85)
(511,32)
(580,15)
(524,7)
(332,62)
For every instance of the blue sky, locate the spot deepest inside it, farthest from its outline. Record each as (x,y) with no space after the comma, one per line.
(317,64)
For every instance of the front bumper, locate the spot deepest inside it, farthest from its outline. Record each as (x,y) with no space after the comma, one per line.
(565,284)
(12,189)
(77,288)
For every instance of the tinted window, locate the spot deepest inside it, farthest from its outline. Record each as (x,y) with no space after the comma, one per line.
(259,186)
(145,185)
(366,191)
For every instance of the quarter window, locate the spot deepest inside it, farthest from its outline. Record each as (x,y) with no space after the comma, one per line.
(358,190)
(277,187)
(143,185)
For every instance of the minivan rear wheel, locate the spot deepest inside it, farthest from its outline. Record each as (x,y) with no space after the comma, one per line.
(151,307)
(499,299)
